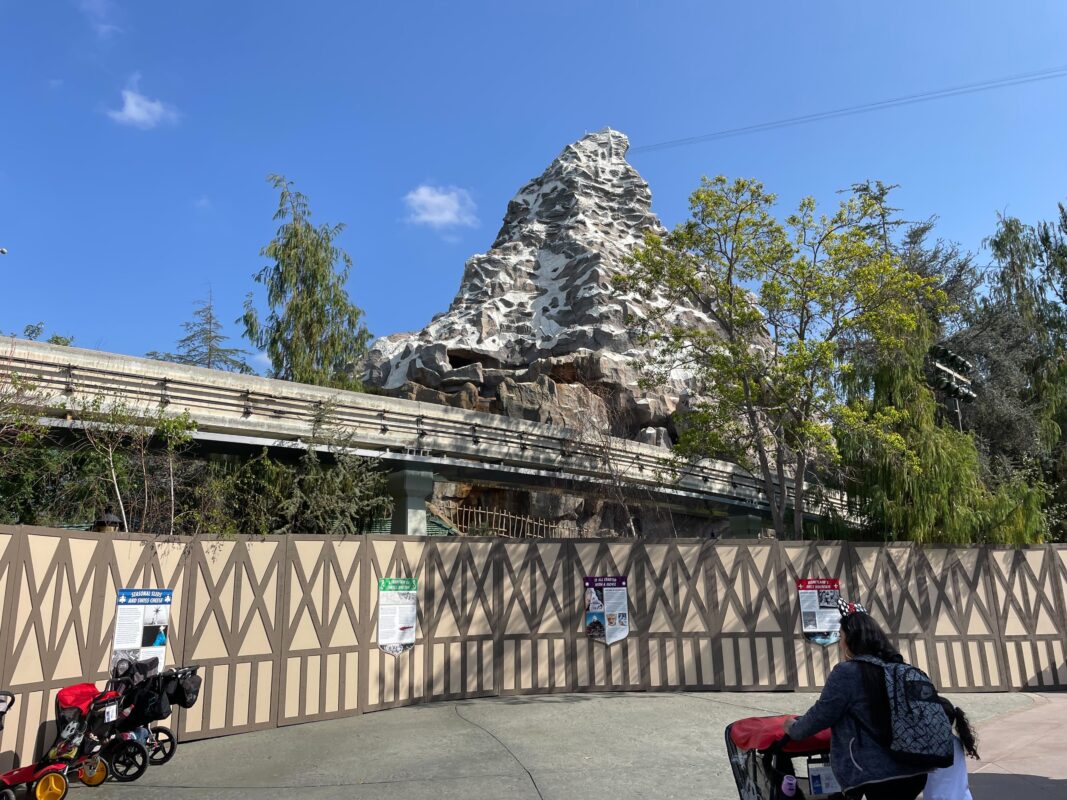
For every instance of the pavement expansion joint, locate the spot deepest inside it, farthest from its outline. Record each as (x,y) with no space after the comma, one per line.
(499,741)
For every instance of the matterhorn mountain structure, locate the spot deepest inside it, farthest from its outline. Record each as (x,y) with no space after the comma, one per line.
(537,329)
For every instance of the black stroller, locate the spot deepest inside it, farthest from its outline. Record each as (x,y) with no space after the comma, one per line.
(148,696)
(761,756)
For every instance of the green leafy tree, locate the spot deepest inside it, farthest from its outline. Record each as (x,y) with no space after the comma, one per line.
(1027,299)
(790,303)
(120,436)
(233,495)
(334,492)
(176,433)
(938,484)
(929,485)
(204,344)
(312,333)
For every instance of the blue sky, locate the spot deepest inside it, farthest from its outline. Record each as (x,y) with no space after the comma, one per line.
(136,135)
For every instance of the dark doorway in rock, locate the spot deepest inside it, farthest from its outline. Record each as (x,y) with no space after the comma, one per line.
(464,358)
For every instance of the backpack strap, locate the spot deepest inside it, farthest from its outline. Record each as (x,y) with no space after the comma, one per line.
(876,735)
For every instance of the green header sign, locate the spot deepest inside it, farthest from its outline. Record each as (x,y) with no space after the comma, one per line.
(397,584)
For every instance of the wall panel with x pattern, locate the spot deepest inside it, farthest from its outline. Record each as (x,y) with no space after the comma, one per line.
(1028,588)
(812,662)
(963,632)
(535,631)
(597,666)
(395,680)
(323,628)
(460,611)
(58,589)
(285,627)
(675,615)
(890,581)
(233,629)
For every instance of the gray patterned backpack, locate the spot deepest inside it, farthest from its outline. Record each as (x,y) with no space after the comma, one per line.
(922,732)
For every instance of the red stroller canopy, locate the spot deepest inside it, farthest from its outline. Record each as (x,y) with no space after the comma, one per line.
(81,696)
(759,733)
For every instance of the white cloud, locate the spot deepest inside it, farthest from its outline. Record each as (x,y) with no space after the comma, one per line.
(99,15)
(97,9)
(140,111)
(441,207)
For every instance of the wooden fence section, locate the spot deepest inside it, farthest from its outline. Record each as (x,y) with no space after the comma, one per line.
(285,627)
(497,522)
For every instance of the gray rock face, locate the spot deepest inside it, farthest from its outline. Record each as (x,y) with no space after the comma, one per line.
(539,309)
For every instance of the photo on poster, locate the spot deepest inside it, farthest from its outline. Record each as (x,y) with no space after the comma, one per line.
(828,598)
(595,625)
(157,615)
(594,599)
(154,636)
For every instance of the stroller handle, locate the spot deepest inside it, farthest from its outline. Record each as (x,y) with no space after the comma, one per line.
(191,668)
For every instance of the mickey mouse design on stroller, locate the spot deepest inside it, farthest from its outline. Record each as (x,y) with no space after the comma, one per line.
(106,734)
(86,720)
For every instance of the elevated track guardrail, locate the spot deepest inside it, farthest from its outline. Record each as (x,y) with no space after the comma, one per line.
(244,409)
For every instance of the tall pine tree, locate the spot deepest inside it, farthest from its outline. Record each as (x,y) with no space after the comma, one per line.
(204,344)
(313,333)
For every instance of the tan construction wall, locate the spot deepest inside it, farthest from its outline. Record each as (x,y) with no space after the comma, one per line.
(284,627)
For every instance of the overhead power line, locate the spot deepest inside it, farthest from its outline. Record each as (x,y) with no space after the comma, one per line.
(921,97)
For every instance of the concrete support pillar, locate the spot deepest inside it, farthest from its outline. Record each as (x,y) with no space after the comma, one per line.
(745,526)
(410,489)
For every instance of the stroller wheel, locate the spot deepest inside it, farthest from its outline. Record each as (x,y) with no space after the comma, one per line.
(7,794)
(129,760)
(93,772)
(52,786)
(161,746)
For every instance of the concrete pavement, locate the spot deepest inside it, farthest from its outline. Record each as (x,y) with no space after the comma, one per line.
(1024,754)
(556,747)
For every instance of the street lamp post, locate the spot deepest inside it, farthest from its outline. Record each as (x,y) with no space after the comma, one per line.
(949,375)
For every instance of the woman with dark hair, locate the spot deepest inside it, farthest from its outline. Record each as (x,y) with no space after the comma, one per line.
(854,704)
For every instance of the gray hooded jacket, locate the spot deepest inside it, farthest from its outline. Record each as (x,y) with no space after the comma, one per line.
(856,756)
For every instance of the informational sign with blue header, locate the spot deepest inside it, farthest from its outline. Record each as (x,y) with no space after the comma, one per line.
(142,624)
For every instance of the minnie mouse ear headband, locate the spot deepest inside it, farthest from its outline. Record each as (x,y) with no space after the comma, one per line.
(850,608)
